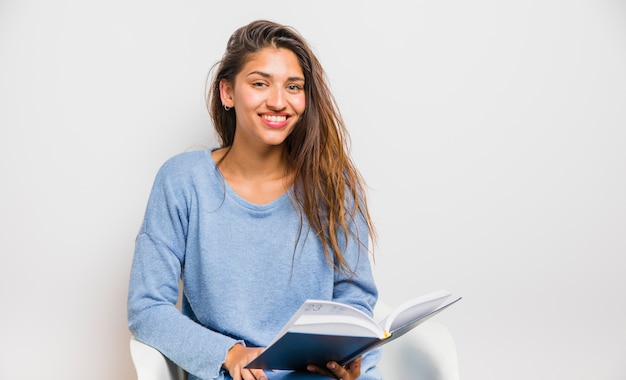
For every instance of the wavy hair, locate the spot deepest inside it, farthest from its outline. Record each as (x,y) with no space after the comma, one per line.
(328,188)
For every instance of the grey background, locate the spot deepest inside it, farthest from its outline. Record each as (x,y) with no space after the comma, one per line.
(491,135)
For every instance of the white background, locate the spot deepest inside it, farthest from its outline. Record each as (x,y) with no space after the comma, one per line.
(492,135)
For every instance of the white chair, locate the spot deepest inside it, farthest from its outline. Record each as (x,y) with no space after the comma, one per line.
(150,364)
(426,353)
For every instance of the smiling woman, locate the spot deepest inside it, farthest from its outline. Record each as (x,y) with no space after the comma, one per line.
(273,216)
(268,98)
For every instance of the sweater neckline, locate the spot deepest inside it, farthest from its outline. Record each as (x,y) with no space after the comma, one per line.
(231,193)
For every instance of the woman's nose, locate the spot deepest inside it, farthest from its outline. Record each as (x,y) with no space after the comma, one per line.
(276,99)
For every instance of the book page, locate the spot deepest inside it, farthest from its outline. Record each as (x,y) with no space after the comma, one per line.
(331,318)
(414,309)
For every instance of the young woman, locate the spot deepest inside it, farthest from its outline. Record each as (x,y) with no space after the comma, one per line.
(275,215)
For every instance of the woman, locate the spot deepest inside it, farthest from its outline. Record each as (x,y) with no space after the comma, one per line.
(274,216)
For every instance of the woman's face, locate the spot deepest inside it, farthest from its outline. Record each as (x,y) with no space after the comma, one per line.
(267,96)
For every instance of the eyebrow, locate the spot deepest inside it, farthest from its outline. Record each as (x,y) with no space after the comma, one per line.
(267,75)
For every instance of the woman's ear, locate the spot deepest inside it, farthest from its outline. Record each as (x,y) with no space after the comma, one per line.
(226,94)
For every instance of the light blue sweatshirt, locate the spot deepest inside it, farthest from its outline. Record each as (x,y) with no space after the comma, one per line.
(243,275)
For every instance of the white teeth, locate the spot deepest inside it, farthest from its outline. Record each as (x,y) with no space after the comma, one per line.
(274,118)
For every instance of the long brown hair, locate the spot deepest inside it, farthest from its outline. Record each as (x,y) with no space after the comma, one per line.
(328,188)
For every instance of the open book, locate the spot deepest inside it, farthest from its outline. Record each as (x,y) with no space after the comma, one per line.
(323,331)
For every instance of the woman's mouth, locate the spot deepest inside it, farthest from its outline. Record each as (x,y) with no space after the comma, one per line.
(275,121)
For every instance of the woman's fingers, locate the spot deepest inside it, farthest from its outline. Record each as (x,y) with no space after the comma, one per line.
(350,371)
(236,359)
(355,365)
(257,374)
(248,374)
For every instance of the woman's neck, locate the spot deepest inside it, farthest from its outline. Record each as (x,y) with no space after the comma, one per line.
(259,177)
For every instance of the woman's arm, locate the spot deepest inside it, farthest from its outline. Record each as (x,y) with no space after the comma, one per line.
(153,290)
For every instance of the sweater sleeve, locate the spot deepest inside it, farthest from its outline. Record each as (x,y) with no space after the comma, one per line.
(359,288)
(153,317)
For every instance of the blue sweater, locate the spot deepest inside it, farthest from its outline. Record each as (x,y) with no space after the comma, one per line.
(242,273)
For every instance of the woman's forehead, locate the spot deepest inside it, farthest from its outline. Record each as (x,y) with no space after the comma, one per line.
(273,61)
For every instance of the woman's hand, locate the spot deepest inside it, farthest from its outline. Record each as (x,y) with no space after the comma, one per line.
(237,357)
(350,371)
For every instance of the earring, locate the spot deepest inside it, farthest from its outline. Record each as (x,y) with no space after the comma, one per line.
(227,108)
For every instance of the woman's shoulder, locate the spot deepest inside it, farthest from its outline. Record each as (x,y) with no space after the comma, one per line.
(188,163)
(189,159)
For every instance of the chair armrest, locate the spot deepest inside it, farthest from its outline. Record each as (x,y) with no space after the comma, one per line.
(427,352)
(150,364)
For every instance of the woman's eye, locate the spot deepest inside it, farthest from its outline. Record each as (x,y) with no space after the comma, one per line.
(294,87)
(258,84)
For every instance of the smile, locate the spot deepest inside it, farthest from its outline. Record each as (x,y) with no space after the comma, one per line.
(275,118)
